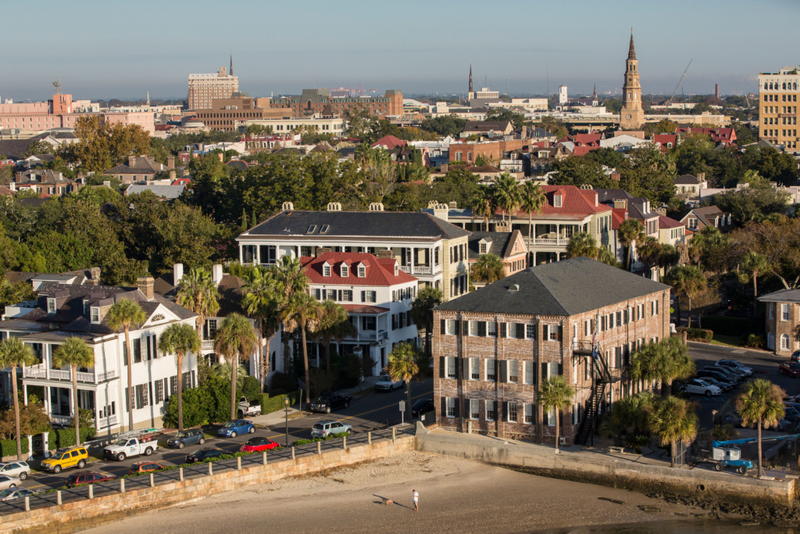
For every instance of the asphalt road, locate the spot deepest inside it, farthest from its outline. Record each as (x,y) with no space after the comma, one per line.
(370,412)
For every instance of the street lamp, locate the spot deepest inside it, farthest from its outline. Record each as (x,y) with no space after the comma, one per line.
(286,409)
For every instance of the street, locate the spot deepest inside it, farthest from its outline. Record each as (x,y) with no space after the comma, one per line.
(372,411)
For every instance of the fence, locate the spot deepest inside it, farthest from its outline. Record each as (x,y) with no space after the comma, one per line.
(204,469)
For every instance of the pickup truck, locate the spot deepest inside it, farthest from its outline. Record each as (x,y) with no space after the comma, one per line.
(130,446)
(328,402)
(248,410)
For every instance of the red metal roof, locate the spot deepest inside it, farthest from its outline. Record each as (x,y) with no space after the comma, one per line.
(618,215)
(389,141)
(573,201)
(379,271)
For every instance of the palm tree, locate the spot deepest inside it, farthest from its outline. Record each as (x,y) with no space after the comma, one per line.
(630,232)
(13,353)
(262,300)
(582,244)
(422,311)
(673,419)
(760,403)
(304,313)
(123,314)
(489,268)
(180,339)
(556,393)
(531,200)
(507,192)
(198,292)
(333,324)
(235,338)
(403,365)
(75,353)
(755,264)
(291,279)
(686,280)
(484,203)
(666,361)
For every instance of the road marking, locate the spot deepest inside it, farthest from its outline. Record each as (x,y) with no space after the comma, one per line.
(379,409)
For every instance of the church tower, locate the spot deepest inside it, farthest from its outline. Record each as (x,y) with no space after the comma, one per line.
(469,94)
(632,114)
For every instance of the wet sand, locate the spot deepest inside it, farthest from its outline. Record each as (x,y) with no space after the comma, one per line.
(455,496)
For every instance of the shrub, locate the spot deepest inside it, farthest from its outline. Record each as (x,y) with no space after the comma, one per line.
(273,404)
(251,390)
(753,341)
(699,334)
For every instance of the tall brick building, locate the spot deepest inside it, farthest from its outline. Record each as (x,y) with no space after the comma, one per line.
(777,107)
(320,102)
(203,88)
(783,316)
(493,347)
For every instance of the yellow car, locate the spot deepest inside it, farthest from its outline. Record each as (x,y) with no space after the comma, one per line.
(72,457)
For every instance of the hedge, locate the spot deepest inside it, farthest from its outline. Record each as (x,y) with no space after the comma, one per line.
(273,404)
(728,326)
(9,446)
(702,334)
(57,439)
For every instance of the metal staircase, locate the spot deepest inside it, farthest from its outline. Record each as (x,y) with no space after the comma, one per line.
(600,378)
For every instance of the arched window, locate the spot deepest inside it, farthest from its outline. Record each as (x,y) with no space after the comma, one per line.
(784,342)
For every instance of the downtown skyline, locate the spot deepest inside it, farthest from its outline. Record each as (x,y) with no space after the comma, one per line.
(115,51)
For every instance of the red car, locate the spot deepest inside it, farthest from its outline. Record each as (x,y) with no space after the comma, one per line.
(790,368)
(81,479)
(258,445)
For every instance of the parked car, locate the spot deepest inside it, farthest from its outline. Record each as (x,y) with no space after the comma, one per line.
(732,418)
(206,453)
(421,406)
(698,386)
(724,386)
(323,429)
(710,375)
(385,383)
(16,469)
(16,493)
(327,402)
(738,374)
(258,445)
(72,457)
(131,446)
(145,467)
(733,364)
(81,479)
(795,357)
(790,369)
(248,410)
(719,372)
(7,481)
(231,429)
(187,437)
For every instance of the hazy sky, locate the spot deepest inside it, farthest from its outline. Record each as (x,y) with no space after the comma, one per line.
(113,49)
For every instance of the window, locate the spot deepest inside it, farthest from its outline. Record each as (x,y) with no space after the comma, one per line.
(474,409)
(362,271)
(326,270)
(556,201)
(784,312)
(95,312)
(528,414)
(771,312)
(513,366)
(474,368)
(784,342)
(530,372)
(552,332)
(511,408)
(451,406)
(490,410)
(137,350)
(344,271)
(451,327)
(51,305)
(450,363)
(550,417)
(159,391)
(141,396)
(491,330)
(490,370)
(369,296)
(530,331)
(587,327)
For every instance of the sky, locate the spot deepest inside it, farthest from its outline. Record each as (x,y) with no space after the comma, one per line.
(101,49)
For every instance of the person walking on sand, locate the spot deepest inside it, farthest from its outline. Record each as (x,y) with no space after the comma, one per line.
(415,498)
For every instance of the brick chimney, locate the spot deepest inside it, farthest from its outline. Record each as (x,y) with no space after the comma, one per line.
(94,276)
(145,285)
(172,175)
(171,162)
(131,161)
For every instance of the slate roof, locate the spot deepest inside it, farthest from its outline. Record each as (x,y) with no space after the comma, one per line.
(502,243)
(231,296)
(784,295)
(15,148)
(558,289)
(141,165)
(687,179)
(666,222)
(169,192)
(357,223)
(379,271)
(486,126)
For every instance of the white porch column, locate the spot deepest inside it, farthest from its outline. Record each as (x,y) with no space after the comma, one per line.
(24,390)
(46,400)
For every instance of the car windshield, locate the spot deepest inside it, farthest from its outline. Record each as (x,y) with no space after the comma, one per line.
(384,378)
(323,397)
(317,426)
(180,435)
(120,442)
(6,492)
(230,424)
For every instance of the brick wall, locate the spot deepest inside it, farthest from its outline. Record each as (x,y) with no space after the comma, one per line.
(616,345)
(777,326)
(488,150)
(80,515)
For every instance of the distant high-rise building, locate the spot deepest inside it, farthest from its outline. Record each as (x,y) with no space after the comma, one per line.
(777,107)
(203,88)
(632,114)
(469,94)
(563,95)
(716,90)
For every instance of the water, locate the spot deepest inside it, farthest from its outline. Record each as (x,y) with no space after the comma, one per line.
(707,526)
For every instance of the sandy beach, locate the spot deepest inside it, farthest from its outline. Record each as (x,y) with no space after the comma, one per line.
(455,496)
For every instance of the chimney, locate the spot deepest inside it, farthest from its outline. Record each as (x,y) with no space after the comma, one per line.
(453,204)
(145,285)
(94,276)
(172,175)
(171,162)
(177,274)
(319,251)
(131,161)
(620,204)
(221,157)
(384,253)
(216,273)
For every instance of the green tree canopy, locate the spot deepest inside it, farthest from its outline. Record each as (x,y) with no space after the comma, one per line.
(761,404)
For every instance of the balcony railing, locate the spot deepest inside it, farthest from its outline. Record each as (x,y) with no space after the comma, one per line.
(421,269)
(208,344)
(369,335)
(40,371)
(61,419)
(558,240)
(106,422)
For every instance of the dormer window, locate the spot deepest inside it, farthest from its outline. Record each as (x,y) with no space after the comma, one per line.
(344,270)
(95,314)
(86,307)
(396,269)
(362,271)
(483,248)
(326,269)
(556,201)
(51,305)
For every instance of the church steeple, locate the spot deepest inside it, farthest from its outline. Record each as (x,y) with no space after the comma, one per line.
(470,80)
(231,71)
(632,114)
(631,50)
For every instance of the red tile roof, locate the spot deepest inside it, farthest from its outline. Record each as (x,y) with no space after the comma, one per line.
(587,139)
(380,271)
(574,201)
(389,141)
(583,150)
(618,215)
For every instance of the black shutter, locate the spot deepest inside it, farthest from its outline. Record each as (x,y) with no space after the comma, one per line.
(520,331)
(502,329)
(443,325)
(504,416)
(560,333)
(442,363)
(560,369)
(535,371)
(456,325)
(443,412)
(502,366)
(464,368)
(482,329)
(457,406)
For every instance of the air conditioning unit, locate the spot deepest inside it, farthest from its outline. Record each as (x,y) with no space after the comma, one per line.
(562,441)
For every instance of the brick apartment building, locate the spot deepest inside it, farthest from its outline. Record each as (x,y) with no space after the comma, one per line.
(488,150)
(224,114)
(316,101)
(783,316)
(493,347)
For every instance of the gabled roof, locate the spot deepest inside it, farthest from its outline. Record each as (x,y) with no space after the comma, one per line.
(141,165)
(502,243)
(618,216)
(379,271)
(574,201)
(389,141)
(666,222)
(784,295)
(557,289)
(486,126)
(356,224)
(687,179)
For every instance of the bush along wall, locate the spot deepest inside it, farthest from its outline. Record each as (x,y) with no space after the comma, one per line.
(273,404)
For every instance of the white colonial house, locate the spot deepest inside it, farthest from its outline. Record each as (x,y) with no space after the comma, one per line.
(377,295)
(65,311)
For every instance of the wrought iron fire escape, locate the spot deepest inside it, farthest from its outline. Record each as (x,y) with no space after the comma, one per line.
(600,379)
